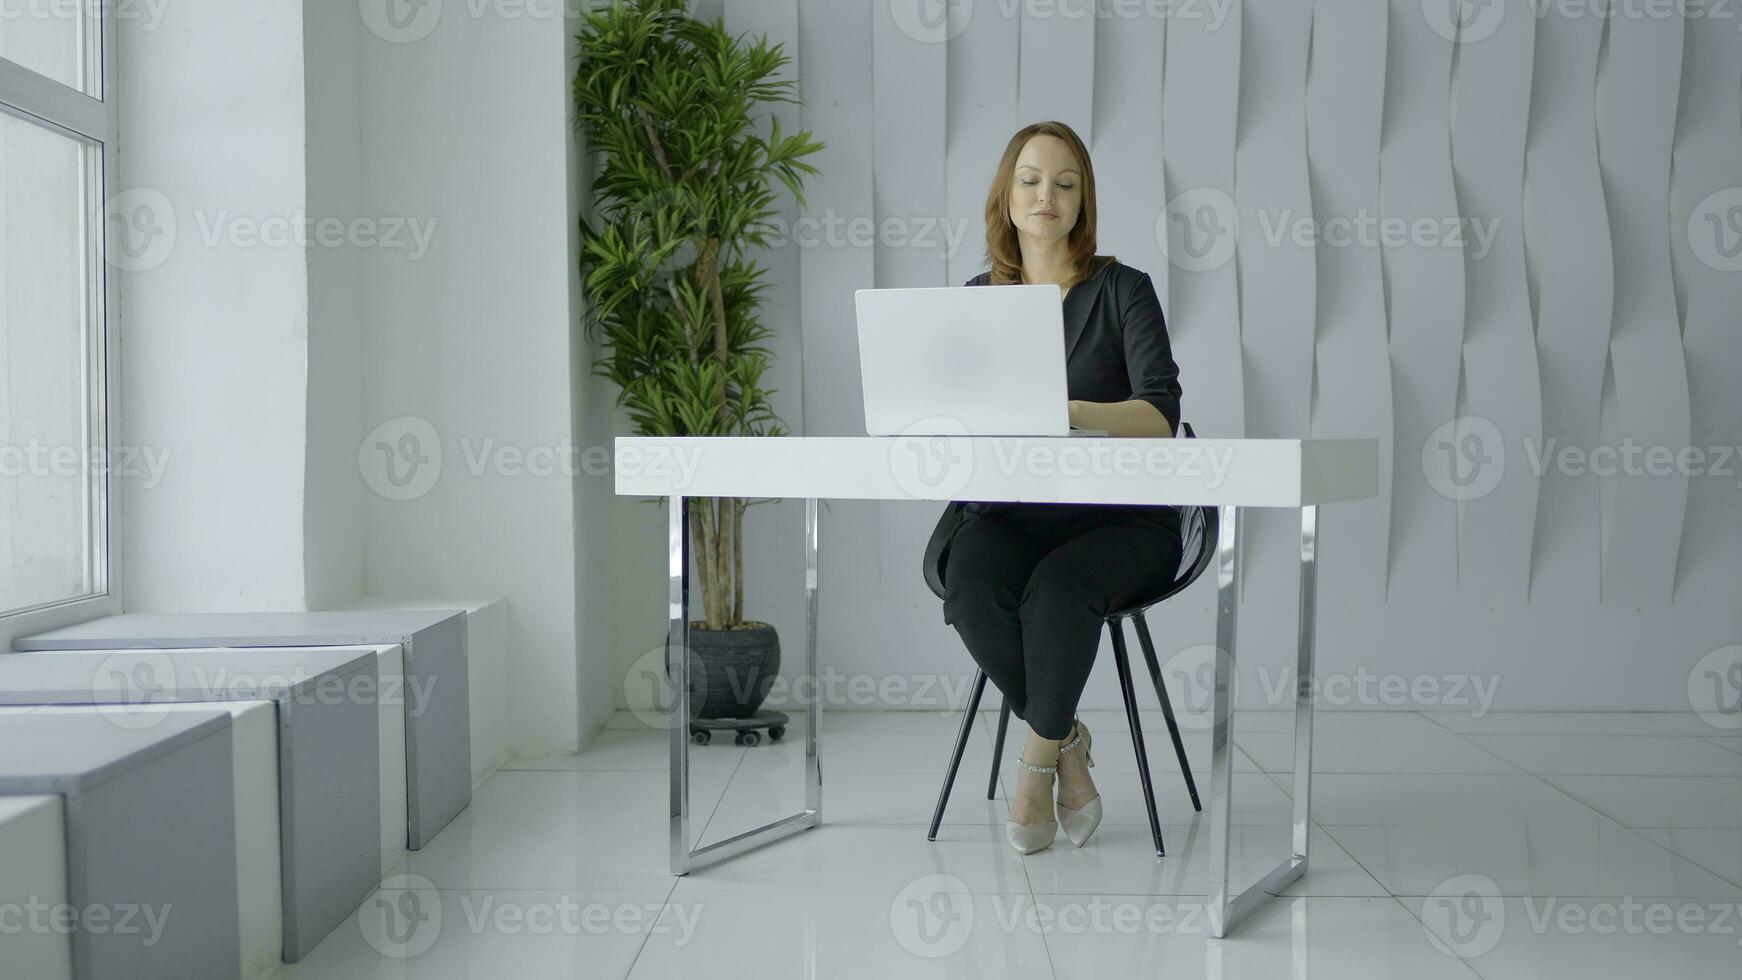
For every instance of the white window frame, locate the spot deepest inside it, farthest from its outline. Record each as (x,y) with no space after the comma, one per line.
(38,99)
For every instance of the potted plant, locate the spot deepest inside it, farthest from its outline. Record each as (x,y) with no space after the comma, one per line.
(686,183)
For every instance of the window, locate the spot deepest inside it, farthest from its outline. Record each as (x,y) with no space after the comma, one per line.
(57,126)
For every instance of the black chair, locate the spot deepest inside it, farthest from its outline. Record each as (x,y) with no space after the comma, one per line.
(1198,530)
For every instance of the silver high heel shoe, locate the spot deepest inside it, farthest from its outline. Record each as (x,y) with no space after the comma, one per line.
(1027,838)
(1079,824)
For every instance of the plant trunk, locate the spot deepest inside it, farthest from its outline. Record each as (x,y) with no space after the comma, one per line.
(738,561)
(717,541)
(723,564)
(708,272)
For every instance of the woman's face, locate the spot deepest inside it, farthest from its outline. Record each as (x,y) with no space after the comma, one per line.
(1046,192)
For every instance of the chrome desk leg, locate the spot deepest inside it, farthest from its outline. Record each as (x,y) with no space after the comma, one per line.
(677,659)
(1226,909)
(1222,730)
(1304,680)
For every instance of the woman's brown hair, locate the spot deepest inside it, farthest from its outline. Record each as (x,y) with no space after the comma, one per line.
(1003,248)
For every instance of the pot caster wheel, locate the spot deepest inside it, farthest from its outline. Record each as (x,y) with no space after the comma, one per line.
(749,738)
(775,732)
(702,737)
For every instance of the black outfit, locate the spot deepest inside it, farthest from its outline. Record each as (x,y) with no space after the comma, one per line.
(1028,585)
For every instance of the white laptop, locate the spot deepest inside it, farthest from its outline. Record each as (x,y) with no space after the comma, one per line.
(964,360)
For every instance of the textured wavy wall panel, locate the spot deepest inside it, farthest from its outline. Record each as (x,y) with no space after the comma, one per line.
(1706,209)
(1491,106)
(1636,110)
(1424,290)
(1352,391)
(913,224)
(1611,272)
(907,158)
(980,93)
(1567,254)
(1127,150)
(835,55)
(1128,172)
(1056,67)
(1276,281)
(1199,101)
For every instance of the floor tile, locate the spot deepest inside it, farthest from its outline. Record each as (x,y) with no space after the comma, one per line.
(1584,938)
(1120,859)
(1718,851)
(1695,724)
(1613,755)
(870,857)
(1731,743)
(406,930)
(929,927)
(1587,854)
(557,830)
(631,751)
(1566,722)
(1377,743)
(1409,810)
(1436,800)
(1345,938)
(768,787)
(1659,801)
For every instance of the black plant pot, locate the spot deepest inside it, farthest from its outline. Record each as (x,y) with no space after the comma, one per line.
(732,670)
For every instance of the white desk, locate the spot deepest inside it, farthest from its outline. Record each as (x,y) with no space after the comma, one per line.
(1229,474)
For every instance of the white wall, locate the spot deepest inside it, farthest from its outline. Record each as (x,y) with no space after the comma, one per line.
(443,300)
(214,364)
(334,327)
(1595,313)
(466,126)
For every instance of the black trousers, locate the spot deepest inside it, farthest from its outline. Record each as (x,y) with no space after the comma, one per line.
(1029,587)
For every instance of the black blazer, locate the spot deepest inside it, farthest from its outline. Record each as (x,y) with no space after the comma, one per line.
(1116,348)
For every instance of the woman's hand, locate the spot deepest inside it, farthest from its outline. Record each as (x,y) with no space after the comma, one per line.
(1131,418)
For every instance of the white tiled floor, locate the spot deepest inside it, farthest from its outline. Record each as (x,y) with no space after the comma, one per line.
(1510,845)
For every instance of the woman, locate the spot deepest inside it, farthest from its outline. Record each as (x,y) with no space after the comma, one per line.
(1028,585)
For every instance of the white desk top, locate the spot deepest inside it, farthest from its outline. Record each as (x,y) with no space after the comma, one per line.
(1240,472)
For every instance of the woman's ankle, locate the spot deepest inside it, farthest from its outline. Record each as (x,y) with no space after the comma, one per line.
(1040,752)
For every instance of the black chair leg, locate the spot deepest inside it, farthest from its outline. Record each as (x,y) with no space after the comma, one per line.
(1179,748)
(937,816)
(1129,690)
(998,749)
